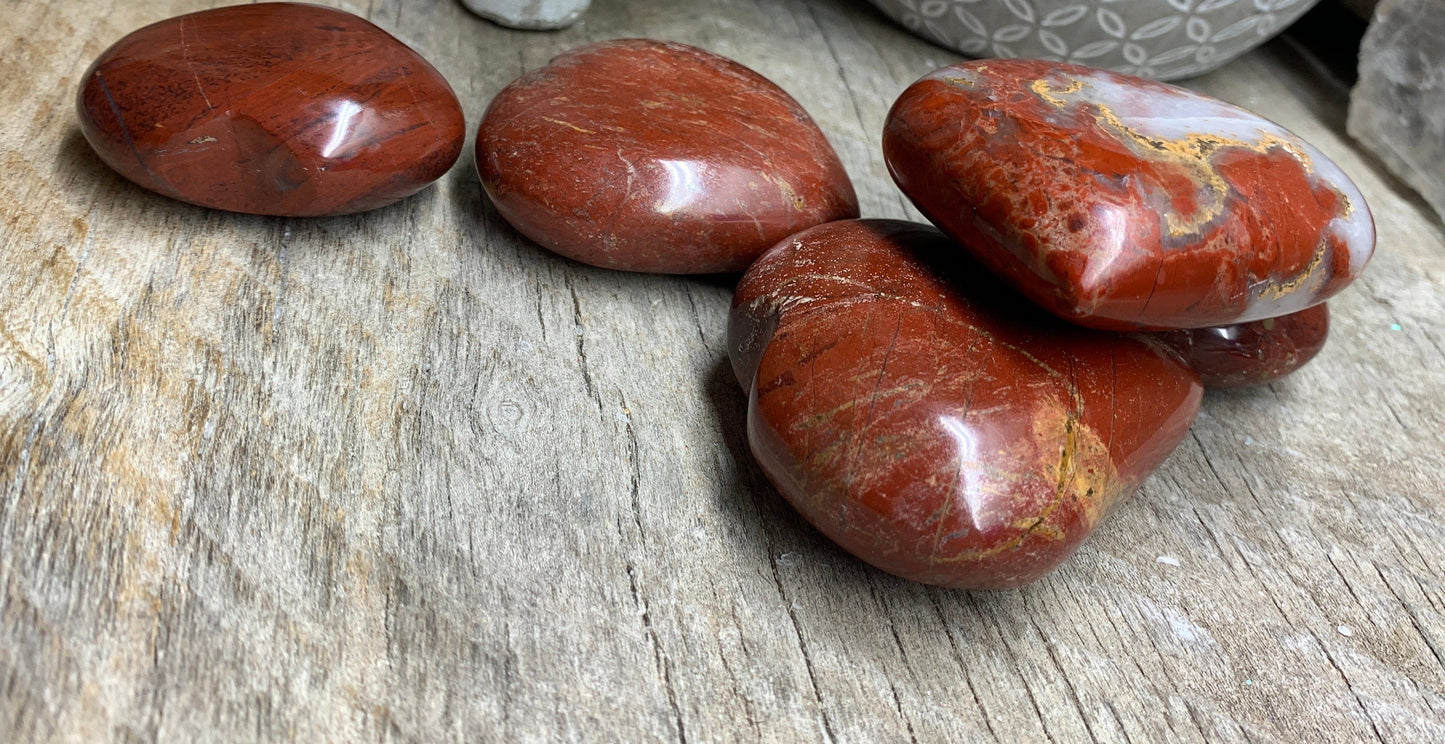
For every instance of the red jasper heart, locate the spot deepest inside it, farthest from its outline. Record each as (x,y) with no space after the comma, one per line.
(652,156)
(934,423)
(1123,203)
(273,108)
(1253,353)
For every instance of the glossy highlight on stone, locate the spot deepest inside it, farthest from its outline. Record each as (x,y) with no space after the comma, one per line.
(931,421)
(653,156)
(1123,203)
(273,108)
(1254,353)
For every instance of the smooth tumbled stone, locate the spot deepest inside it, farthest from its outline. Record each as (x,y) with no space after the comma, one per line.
(931,421)
(651,156)
(1123,203)
(275,108)
(1253,353)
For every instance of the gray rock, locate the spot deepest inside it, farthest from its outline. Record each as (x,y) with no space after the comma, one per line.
(1397,109)
(529,14)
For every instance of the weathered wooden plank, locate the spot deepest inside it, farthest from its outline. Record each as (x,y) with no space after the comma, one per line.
(406,476)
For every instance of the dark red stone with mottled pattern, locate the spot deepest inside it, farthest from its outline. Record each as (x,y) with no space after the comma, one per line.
(1253,353)
(1123,203)
(273,108)
(652,156)
(934,423)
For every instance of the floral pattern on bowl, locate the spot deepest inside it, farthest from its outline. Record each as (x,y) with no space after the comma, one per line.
(1164,39)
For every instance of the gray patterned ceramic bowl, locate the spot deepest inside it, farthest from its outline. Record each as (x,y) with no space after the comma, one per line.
(1163,39)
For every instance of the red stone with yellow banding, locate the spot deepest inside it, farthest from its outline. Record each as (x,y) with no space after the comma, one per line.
(1123,203)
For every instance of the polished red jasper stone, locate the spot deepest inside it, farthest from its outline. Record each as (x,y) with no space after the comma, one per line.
(274,108)
(1253,353)
(931,421)
(652,156)
(1124,203)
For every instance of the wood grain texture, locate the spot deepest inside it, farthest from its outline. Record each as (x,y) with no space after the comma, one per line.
(405,476)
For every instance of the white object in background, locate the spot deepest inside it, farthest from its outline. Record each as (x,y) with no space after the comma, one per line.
(530,14)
